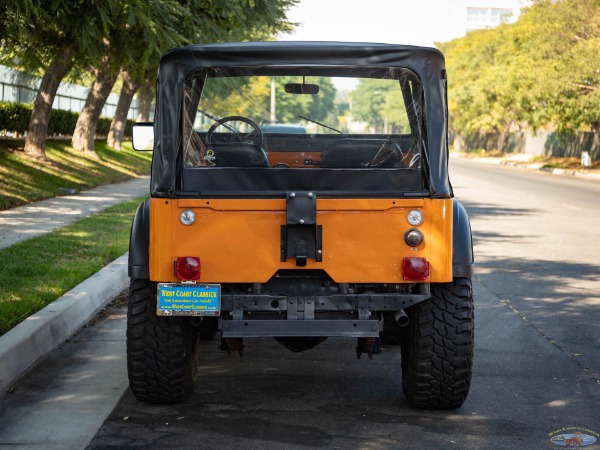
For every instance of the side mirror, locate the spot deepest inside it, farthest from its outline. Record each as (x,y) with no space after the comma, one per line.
(143,136)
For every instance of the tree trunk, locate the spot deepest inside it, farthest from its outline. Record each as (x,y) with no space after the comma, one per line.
(37,132)
(144,101)
(119,122)
(85,130)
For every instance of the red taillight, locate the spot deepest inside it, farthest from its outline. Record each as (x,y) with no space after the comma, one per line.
(187,268)
(415,268)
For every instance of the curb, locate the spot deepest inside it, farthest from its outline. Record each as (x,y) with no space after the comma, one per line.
(534,167)
(572,173)
(30,341)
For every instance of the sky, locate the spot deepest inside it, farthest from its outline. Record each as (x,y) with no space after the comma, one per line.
(410,22)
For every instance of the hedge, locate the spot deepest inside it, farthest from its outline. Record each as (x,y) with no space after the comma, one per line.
(14,117)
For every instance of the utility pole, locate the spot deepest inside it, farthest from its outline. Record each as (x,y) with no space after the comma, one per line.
(272,118)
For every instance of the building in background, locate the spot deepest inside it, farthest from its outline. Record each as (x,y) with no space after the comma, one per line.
(411,23)
(481,14)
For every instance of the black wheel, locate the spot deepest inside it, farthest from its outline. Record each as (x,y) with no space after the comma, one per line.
(437,354)
(162,352)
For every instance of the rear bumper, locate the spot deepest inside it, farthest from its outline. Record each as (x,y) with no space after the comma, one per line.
(301,328)
(342,315)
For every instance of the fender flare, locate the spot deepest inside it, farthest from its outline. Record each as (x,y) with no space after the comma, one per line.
(139,241)
(462,243)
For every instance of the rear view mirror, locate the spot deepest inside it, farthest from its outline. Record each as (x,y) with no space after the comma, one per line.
(302,88)
(143,136)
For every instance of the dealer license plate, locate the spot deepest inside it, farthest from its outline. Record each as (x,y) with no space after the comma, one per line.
(187,299)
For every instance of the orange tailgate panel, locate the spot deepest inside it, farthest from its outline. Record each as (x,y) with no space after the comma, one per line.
(238,241)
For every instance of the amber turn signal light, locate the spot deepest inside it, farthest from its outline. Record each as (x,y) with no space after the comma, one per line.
(187,268)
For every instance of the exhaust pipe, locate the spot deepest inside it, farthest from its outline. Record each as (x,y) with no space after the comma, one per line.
(401,318)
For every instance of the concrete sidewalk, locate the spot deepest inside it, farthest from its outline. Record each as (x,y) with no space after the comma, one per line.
(28,221)
(30,341)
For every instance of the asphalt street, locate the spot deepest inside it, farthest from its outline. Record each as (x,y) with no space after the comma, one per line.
(537,241)
(537,349)
(536,362)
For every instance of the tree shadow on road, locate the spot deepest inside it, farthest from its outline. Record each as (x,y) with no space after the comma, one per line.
(557,294)
(480,210)
(543,282)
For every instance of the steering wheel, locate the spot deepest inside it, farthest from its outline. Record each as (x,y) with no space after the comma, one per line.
(253,137)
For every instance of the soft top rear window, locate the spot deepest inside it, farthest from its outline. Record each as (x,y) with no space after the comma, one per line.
(307,121)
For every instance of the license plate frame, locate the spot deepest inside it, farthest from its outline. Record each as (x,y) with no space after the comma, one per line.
(188,299)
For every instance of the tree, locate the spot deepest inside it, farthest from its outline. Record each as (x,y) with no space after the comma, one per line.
(145,100)
(379,103)
(119,121)
(139,32)
(193,22)
(242,20)
(47,37)
(542,71)
(368,100)
(322,106)
(290,107)
(572,34)
(50,37)
(251,97)
(85,129)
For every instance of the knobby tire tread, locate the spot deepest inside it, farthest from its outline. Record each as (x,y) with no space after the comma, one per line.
(161,351)
(437,353)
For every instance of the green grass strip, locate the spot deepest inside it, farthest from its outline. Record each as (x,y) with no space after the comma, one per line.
(36,272)
(24,179)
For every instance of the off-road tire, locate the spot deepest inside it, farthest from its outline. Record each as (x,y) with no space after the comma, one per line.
(437,353)
(162,352)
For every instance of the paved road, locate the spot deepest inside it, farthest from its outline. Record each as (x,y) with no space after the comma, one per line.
(523,389)
(537,239)
(537,352)
(536,367)
(34,219)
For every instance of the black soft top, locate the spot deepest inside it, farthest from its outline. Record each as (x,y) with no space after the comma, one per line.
(177,64)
